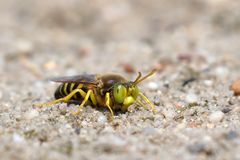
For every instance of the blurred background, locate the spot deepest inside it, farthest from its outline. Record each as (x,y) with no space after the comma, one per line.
(57,37)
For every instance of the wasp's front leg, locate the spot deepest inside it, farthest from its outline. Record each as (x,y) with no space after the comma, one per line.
(108,103)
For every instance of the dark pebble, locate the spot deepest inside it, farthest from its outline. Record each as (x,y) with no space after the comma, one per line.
(156,100)
(226,110)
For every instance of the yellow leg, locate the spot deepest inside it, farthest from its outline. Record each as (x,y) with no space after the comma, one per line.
(148,101)
(64,99)
(108,103)
(83,102)
(78,87)
(93,99)
(141,104)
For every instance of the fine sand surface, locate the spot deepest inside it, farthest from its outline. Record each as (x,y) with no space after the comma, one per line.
(194,45)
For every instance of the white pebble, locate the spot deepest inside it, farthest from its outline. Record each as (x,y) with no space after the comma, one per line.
(216,116)
(153,86)
(31,114)
(191,98)
(208,83)
(24,46)
(17,138)
(102,119)
(221,71)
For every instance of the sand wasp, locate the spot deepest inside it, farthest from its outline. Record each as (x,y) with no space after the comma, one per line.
(108,90)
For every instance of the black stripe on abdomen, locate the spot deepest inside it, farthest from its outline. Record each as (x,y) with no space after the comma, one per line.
(66,88)
(63,90)
(58,93)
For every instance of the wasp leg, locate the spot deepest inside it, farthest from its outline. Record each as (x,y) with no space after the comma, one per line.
(64,99)
(148,101)
(141,104)
(89,93)
(78,87)
(108,103)
(93,99)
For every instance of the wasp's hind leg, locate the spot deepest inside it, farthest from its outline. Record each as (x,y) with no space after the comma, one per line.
(48,103)
(64,99)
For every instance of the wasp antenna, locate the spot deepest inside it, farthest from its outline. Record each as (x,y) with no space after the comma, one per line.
(139,79)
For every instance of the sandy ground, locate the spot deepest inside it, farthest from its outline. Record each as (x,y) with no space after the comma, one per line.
(193,44)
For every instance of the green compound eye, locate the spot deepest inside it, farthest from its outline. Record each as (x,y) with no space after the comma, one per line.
(119,93)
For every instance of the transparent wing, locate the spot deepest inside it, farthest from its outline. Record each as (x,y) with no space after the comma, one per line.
(83,78)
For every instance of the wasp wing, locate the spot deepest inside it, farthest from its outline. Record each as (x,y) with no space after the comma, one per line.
(83,78)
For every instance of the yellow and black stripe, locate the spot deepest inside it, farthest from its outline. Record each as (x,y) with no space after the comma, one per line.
(66,88)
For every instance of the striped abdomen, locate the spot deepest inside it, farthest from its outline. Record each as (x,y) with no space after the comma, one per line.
(66,88)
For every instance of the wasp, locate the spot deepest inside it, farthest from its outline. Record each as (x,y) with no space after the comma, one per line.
(112,91)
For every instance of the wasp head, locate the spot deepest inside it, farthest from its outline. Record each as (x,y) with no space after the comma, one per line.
(126,93)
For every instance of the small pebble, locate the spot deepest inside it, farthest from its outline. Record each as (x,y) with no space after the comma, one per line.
(152,86)
(221,71)
(185,57)
(102,119)
(226,110)
(31,114)
(157,100)
(191,98)
(50,65)
(17,138)
(208,83)
(24,46)
(128,68)
(216,116)
(235,87)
